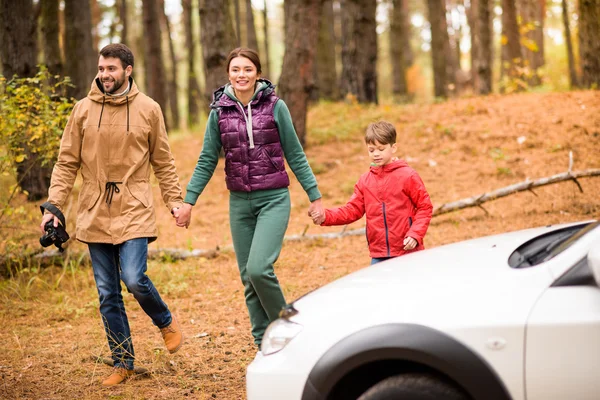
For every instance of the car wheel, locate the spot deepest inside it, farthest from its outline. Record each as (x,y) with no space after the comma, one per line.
(414,387)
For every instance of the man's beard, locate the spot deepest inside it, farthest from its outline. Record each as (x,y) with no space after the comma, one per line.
(116,85)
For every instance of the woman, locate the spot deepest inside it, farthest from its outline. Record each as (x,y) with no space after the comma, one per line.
(254,128)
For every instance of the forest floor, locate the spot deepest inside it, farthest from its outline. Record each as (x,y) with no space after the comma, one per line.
(50,329)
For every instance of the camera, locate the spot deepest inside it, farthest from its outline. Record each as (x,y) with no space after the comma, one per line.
(54,235)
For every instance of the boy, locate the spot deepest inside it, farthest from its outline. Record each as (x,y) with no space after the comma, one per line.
(392,195)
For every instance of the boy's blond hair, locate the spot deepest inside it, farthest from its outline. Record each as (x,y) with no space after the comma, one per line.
(381,132)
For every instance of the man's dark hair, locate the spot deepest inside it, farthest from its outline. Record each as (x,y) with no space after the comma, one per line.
(120,51)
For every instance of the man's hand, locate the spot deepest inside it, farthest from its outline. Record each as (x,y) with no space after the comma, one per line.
(183,215)
(316,212)
(47,217)
(410,243)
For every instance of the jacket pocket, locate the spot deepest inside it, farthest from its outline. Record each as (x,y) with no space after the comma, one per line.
(89,195)
(266,153)
(139,191)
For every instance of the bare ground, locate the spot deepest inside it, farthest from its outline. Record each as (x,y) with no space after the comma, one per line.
(49,324)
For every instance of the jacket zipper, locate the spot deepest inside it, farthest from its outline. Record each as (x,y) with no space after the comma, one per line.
(387,237)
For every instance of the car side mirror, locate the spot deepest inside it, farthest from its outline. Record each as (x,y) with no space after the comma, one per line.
(593,258)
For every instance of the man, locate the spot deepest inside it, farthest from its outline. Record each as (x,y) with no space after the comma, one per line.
(114,135)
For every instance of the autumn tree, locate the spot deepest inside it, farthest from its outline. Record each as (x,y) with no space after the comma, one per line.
(172,92)
(359,50)
(218,39)
(266,57)
(81,61)
(50,36)
(250,27)
(400,50)
(155,70)
(531,18)
(573,80)
(296,79)
(326,81)
(194,92)
(589,42)
(439,42)
(483,52)
(512,59)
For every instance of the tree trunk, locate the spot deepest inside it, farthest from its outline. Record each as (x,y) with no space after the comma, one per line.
(19,56)
(250,27)
(439,39)
(218,39)
(473,20)
(267,58)
(96,17)
(532,22)
(50,36)
(301,39)
(155,69)
(589,42)
(511,46)
(399,44)
(81,62)
(325,76)
(450,50)
(573,81)
(194,93)
(359,50)
(172,92)
(238,22)
(484,48)
(124,22)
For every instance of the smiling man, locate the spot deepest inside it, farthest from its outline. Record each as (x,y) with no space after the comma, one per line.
(114,136)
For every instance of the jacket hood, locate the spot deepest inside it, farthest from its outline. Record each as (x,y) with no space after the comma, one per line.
(389,167)
(98,95)
(224,96)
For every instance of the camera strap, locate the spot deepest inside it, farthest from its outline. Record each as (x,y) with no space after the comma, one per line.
(54,210)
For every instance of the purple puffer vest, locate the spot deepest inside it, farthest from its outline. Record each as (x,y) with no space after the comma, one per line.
(263,166)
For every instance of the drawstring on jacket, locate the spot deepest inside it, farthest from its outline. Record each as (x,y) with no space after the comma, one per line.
(127,99)
(111,189)
(249,124)
(101,111)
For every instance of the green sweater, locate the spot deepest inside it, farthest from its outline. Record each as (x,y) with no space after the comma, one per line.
(292,149)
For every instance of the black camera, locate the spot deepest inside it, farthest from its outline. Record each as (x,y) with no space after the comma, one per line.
(54,235)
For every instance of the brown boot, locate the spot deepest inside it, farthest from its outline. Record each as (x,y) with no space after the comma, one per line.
(118,375)
(173,336)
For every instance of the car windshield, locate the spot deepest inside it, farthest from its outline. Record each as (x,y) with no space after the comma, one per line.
(546,246)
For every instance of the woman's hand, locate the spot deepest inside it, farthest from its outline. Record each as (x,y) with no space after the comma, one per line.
(316,212)
(183,215)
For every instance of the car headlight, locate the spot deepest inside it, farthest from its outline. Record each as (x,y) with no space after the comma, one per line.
(278,334)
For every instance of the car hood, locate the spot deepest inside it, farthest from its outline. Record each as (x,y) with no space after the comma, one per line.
(449,285)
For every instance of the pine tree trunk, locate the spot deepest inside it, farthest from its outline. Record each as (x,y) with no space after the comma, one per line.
(326,81)
(439,39)
(296,79)
(81,61)
(172,92)
(238,22)
(250,27)
(267,57)
(218,39)
(359,50)
(532,21)
(399,43)
(512,48)
(124,22)
(194,93)
(573,81)
(589,42)
(50,36)
(473,21)
(484,48)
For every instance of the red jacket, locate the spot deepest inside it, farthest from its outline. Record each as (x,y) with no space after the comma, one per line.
(396,203)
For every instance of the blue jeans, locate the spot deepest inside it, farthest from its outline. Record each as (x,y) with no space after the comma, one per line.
(378,260)
(127,262)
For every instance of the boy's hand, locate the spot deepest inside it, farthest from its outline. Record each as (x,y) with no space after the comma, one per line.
(318,217)
(410,243)
(316,212)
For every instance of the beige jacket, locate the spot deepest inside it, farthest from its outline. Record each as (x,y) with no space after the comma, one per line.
(115,139)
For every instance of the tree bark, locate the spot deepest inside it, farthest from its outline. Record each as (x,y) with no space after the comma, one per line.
(532,22)
(573,81)
(589,42)
(484,48)
(296,79)
(399,48)
(194,93)
(267,57)
(439,39)
(325,78)
(359,50)
(172,92)
(238,22)
(155,69)
(250,27)
(50,36)
(81,61)
(512,57)
(218,39)
(124,22)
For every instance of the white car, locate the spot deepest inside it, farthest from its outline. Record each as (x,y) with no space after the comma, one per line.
(511,316)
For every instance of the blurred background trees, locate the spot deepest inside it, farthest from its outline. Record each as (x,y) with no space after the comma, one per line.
(367,51)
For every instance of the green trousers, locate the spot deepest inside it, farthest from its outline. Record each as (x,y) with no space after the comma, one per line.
(258,223)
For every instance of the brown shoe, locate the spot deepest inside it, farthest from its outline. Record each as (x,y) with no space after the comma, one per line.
(118,375)
(173,336)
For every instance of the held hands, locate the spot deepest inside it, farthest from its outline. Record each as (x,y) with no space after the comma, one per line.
(48,217)
(182,215)
(316,212)
(410,243)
